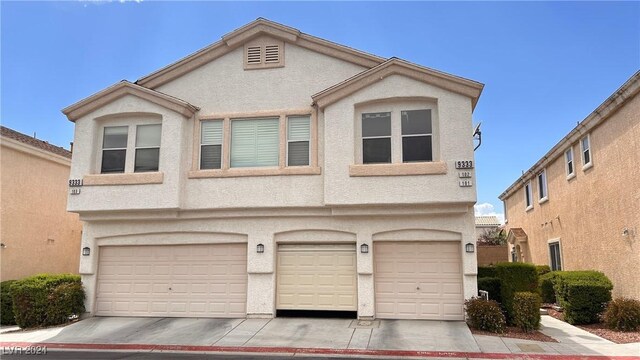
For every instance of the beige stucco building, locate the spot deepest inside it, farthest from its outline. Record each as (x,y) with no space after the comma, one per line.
(37,234)
(579,206)
(274,171)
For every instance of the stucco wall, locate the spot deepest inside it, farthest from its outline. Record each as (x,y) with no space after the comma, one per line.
(589,212)
(39,234)
(492,254)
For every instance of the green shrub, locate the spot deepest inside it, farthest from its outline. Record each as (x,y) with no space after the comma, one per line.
(623,314)
(543,269)
(492,285)
(526,311)
(485,315)
(47,299)
(6,305)
(515,277)
(582,294)
(547,291)
(486,271)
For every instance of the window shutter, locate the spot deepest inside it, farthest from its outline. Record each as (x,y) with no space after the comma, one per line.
(211,133)
(255,142)
(298,128)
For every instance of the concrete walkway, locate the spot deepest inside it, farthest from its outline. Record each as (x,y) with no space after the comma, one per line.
(316,336)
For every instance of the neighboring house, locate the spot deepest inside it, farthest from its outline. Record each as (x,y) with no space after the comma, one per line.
(490,254)
(486,223)
(275,171)
(37,233)
(579,206)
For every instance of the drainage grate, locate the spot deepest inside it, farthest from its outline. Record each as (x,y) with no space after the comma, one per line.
(364,324)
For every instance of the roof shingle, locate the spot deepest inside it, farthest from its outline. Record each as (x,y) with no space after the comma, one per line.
(40,144)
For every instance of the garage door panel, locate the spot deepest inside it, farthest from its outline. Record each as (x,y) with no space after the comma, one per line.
(180,280)
(418,280)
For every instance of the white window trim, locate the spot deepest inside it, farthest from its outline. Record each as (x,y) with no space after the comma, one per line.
(286,160)
(530,192)
(136,147)
(586,166)
(395,107)
(553,241)
(570,175)
(545,187)
(200,145)
(126,149)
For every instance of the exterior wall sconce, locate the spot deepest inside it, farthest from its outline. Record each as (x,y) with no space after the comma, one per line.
(260,248)
(364,248)
(469,248)
(86,251)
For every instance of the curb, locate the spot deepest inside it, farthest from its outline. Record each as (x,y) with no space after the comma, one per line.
(306,351)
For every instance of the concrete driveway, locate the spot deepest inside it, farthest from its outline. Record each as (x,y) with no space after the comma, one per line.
(279,332)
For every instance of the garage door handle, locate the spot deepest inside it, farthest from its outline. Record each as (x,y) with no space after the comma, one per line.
(417,287)
(169,288)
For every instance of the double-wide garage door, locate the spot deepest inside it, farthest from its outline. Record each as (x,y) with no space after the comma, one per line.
(418,280)
(173,280)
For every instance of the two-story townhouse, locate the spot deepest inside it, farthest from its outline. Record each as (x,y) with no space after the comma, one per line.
(578,207)
(272,172)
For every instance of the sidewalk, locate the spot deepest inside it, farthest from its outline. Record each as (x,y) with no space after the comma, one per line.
(297,336)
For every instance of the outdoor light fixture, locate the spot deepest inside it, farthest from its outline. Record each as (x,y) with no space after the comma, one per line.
(260,249)
(86,251)
(469,248)
(364,248)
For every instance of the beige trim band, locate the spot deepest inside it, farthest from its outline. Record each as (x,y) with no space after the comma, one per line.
(240,172)
(124,179)
(430,168)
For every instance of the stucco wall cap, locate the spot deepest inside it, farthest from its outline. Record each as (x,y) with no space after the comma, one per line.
(396,66)
(123,88)
(614,102)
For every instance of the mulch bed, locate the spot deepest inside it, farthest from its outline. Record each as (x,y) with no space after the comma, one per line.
(618,337)
(516,333)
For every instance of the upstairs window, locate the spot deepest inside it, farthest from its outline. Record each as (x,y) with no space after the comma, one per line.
(298,134)
(416,136)
(255,142)
(114,149)
(147,148)
(528,196)
(376,138)
(568,157)
(211,144)
(585,146)
(542,186)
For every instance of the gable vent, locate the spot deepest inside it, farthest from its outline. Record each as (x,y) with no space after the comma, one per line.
(253,55)
(272,54)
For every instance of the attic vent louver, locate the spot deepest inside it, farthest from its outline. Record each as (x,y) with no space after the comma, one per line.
(272,54)
(263,53)
(253,55)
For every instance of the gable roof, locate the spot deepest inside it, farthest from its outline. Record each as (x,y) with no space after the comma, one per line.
(395,66)
(124,88)
(487,221)
(32,141)
(614,102)
(247,32)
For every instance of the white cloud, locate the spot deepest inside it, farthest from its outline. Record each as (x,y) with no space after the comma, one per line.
(487,209)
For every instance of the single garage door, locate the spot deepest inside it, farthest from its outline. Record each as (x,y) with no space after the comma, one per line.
(316,277)
(418,280)
(173,281)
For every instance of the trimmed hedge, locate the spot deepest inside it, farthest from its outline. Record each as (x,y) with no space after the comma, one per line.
(47,299)
(543,269)
(6,304)
(582,294)
(546,283)
(493,286)
(486,271)
(485,315)
(623,314)
(515,277)
(526,308)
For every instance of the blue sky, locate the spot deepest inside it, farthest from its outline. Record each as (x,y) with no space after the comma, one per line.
(545,65)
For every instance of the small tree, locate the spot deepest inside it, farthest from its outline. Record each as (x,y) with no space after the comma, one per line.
(492,237)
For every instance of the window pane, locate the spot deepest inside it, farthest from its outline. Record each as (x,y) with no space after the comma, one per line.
(416,122)
(376,124)
(542,186)
(527,194)
(148,135)
(416,148)
(585,144)
(587,157)
(298,153)
(211,133)
(113,161)
(570,167)
(115,137)
(376,151)
(255,142)
(147,160)
(211,157)
(298,128)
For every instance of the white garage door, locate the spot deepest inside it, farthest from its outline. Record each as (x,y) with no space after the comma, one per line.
(174,281)
(317,277)
(418,280)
